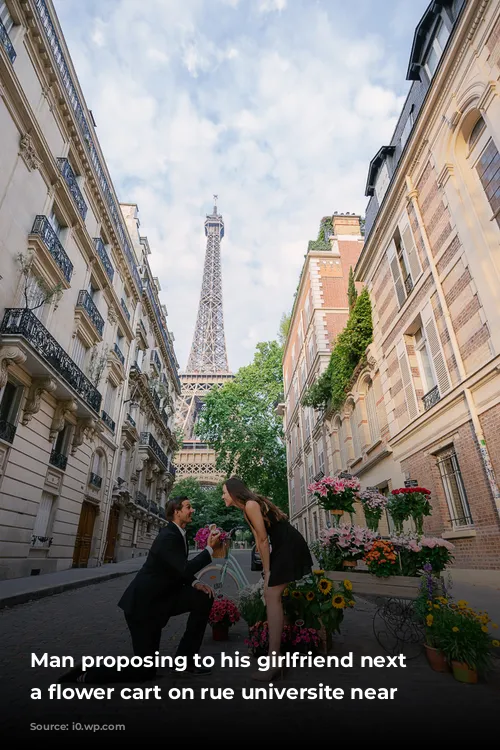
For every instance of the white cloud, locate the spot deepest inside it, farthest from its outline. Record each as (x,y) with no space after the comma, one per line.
(280,117)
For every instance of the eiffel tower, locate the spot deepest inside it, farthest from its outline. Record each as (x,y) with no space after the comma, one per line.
(207,364)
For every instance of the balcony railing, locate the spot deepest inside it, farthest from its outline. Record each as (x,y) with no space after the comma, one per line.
(58,459)
(43,229)
(88,304)
(148,440)
(141,499)
(101,252)
(125,308)
(87,136)
(119,353)
(41,541)
(70,180)
(172,469)
(431,398)
(155,360)
(408,285)
(95,480)
(6,43)
(159,318)
(7,431)
(22,322)
(108,421)
(131,420)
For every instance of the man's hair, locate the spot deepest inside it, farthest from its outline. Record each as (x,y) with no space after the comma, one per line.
(175,503)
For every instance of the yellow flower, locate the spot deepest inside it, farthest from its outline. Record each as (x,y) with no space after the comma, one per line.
(462,604)
(484,619)
(285,592)
(310,596)
(442,600)
(495,643)
(352,603)
(347,585)
(484,629)
(338,602)
(296,594)
(430,620)
(436,606)
(429,603)
(318,572)
(325,585)
(455,629)
(494,625)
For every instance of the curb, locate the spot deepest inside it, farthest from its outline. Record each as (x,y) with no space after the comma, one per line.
(29,596)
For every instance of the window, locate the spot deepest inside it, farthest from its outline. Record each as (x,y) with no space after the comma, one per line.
(371,410)
(407,128)
(321,461)
(5,17)
(488,170)
(311,351)
(436,49)
(382,182)
(407,379)
(310,471)
(430,356)
(59,454)
(109,402)
(10,399)
(135,533)
(303,375)
(308,424)
(302,490)
(41,528)
(307,309)
(304,522)
(79,352)
(342,446)
(354,432)
(97,465)
(454,489)
(403,260)
(292,495)
(476,132)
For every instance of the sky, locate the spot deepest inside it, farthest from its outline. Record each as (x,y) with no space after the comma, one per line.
(276,106)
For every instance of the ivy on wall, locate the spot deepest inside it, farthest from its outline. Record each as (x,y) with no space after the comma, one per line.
(332,385)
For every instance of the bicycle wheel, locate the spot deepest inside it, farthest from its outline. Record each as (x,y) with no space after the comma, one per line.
(222,581)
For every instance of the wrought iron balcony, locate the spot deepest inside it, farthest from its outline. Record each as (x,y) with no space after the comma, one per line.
(131,420)
(431,398)
(141,499)
(70,180)
(41,541)
(108,421)
(125,308)
(148,440)
(58,459)
(22,322)
(43,228)
(156,399)
(101,252)
(159,317)
(95,480)
(408,285)
(86,131)
(88,304)
(119,353)
(7,431)
(6,43)
(154,508)
(155,360)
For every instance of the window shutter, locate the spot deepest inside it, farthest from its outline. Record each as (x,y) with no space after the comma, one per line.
(406,376)
(436,351)
(43,516)
(410,249)
(396,273)
(371,408)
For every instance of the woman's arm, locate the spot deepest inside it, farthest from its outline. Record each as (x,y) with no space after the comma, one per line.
(254,513)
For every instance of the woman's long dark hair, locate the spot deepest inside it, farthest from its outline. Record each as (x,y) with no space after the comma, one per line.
(239,491)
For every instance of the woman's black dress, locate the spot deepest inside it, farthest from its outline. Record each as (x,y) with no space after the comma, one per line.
(290,557)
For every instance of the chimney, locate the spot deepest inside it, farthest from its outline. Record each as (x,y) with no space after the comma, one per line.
(346,224)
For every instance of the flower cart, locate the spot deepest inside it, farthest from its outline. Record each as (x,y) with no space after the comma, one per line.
(336,494)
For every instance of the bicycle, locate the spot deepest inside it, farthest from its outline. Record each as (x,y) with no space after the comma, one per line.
(225,578)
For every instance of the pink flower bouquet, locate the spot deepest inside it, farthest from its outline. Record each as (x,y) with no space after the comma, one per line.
(373,503)
(203,534)
(223,612)
(336,493)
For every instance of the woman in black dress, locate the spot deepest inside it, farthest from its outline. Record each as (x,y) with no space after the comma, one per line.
(288,560)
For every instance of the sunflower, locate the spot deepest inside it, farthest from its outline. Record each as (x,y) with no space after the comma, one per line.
(296,594)
(347,585)
(286,592)
(455,629)
(338,602)
(462,604)
(484,629)
(325,586)
(352,603)
(495,643)
(429,620)
(318,572)
(310,596)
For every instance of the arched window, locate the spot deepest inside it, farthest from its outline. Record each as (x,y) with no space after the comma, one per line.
(371,410)
(484,157)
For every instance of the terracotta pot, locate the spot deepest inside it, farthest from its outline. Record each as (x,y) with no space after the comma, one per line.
(220,632)
(463,673)
(436,659)
(349,563)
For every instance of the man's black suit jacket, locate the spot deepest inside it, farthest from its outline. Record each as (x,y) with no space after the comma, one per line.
(166,570)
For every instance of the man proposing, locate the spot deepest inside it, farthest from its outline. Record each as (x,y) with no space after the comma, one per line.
(164,587)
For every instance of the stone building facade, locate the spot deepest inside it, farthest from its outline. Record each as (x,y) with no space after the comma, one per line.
(76,302)
(431,262)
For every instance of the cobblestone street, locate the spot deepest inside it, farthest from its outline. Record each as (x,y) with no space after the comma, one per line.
(87,621)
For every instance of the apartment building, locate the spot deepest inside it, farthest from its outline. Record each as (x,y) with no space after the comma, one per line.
(431,262)
(320,312)
(77,304)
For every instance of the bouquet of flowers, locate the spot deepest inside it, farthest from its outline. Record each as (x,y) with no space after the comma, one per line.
(373,503)
(294,638)
(345,544)
(414,553)
(409,502)
(381,559)
(223,612)
(318,602)
(202,535)
(251,603)
(336,494)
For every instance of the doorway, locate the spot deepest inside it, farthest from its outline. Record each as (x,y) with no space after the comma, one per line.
(112,535)
(84,535)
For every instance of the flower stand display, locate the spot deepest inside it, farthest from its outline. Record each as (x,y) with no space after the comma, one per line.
(223,615)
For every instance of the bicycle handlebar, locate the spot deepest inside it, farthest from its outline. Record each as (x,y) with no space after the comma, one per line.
(236,528)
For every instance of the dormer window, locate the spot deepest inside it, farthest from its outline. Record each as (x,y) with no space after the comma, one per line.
(382,182)
(436,49)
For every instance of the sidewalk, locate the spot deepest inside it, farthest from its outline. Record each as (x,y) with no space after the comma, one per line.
(15,591)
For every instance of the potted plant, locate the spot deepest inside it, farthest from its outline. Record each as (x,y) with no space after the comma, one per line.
(223,615)
(202,535)
(336,494)
(466,641)
(415,553)
(373,503)
(345,545)
(295,637)
(251,603)
(430,609)
(381,558)
(409,502)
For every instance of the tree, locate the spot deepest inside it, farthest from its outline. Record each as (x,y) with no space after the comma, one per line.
(285,321)
(352,293)
(239,422)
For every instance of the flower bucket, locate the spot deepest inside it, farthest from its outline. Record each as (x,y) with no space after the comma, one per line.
(349,563)
(463,673)
(220,632)
(436,659)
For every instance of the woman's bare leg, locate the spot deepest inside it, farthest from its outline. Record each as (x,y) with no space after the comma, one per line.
(275,617)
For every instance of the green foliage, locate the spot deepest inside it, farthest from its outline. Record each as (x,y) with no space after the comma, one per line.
(331,386)
(208,505)
(238,421)
(284,328)
(352,292)
(325,229)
